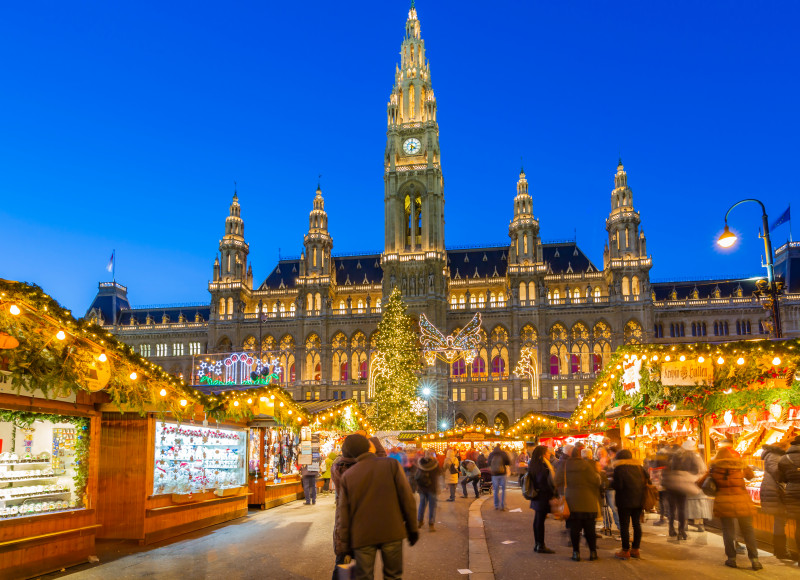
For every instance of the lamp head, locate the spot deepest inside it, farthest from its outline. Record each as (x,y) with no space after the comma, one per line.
(426,391)
(727,239)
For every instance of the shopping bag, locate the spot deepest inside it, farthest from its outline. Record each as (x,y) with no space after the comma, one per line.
(559,508)
(346,571)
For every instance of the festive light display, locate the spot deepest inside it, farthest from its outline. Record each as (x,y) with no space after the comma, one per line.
(55,366)
(450,348)
(526,367)
(396,388)
(239,368)
(747,375)
(377,368)
(537,423)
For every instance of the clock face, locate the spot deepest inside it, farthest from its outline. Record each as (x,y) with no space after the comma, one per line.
(412,146)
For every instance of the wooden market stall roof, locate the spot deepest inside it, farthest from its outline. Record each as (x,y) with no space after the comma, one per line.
(706,377)
(46,349)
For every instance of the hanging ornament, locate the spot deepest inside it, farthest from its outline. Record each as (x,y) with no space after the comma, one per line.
(728,418)
(776,411)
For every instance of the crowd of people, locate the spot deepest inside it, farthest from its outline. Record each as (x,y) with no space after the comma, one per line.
(573,483)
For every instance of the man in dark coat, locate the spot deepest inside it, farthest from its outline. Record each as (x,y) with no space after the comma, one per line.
(772,497)
(375,511)
(541,472)
(499,462)
(789,473)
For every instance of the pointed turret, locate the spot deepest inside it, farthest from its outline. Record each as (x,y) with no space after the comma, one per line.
(526,248)
(232,247)
(317,242)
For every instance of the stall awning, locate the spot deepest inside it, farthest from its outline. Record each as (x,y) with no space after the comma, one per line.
(321,406)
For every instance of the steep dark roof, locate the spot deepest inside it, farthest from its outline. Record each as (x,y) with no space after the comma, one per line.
(564,256)
(705,288)
(358,269)
(478,262)
(110,300)
(286,272)
(157,314)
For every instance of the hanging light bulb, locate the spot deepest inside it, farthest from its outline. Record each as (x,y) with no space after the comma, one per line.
(163,392)
(740,361)
(102,357)
(720,361)
(14,310)
(701,360)
(133,376)
(776,361)
(682,358)
(60,335)
(666,358)
(183,402)
(236,403)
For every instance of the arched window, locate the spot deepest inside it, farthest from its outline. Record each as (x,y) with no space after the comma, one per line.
(479,367)
(556,294)
(310,302)
(635,285)
(597,292)
(292,374)
(317,301)
(498,366)
(523,291)
(230,305)
(554,366)
(626,286)
(576,294)
(574,364)
(459,368)
(597,363)
(363,371)
(222,306)
(317,372)
(344,375)
(407,221)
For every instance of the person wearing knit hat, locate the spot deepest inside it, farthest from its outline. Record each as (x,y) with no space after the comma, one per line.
(355,445)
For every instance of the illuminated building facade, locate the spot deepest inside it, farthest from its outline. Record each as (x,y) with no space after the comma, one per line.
(318,313)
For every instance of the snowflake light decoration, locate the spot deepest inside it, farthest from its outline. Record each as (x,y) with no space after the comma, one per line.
(450,348)
(419,406)
(240,368)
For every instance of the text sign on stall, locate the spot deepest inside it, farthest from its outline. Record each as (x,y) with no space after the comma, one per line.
(687,373)
(631,375)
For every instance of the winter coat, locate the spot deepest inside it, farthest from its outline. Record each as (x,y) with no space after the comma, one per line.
(582,486)
(375,504)
(732,499)
(328,463)
(771,490)
(427,469)
(481,461)
(629,483)
(789,470)
(683,470)
(339,466)
(450,478)
(469,469)
(543,484)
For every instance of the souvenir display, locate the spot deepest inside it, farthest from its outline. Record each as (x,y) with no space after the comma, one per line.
(37,473)
(281,447)
(190,458)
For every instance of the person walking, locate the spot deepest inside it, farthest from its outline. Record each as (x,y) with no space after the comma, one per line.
(338,468)
(605,458)
(772,492)
(629,480)
(789,473)
(450,469)
(582,492)
(481,460)
(522,461)
(326,475)
(309,479)
(471,475)
(732,503)
(499,463)
(375,512)
(542,474)
(427,479)
(682,471)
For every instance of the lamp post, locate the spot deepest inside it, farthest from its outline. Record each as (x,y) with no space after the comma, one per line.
(771,289)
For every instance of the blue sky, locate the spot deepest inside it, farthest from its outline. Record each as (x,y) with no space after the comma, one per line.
(124,126)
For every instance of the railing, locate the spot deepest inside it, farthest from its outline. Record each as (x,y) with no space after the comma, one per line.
(479,379)
(574,276)
(160,326)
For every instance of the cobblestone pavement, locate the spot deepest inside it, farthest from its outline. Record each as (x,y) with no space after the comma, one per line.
(702,556)
(293,542)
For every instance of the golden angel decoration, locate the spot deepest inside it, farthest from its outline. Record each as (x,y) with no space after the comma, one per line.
(450,348)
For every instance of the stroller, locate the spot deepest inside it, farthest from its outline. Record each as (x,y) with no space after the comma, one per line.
(486,480)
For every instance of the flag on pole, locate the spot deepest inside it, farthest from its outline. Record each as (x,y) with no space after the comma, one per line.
(782,219)
(110,265)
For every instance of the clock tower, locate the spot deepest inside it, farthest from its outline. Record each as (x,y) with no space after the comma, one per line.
(414,257)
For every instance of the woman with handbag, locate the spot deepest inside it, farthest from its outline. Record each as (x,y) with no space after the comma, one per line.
(732,503)
(630,485)
(450,468)
(581,492)
(541,474)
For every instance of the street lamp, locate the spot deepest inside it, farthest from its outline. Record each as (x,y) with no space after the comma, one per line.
(771,289)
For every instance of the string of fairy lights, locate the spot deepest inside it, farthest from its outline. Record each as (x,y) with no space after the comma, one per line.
(27,313)
(736,366)
(536,423)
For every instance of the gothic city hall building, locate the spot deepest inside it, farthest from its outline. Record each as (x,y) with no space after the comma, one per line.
(546,303)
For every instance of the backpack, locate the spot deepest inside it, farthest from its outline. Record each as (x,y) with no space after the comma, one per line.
(424,478)
(497,466)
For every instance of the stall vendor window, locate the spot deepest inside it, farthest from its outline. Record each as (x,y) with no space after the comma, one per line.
(191,458)
(43,464)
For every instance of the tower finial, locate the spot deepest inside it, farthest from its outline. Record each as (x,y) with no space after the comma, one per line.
(235,190)
(521,166)
(319,182)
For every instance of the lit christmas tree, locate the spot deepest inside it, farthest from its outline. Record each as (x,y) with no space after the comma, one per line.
(396,387)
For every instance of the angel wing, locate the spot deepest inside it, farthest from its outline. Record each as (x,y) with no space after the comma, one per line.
(431,337)
(469,337)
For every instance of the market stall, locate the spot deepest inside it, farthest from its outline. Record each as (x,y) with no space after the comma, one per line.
(746,392)
(278,450)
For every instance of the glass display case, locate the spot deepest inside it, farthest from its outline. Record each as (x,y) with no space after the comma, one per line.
(192,458)
(37,468)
